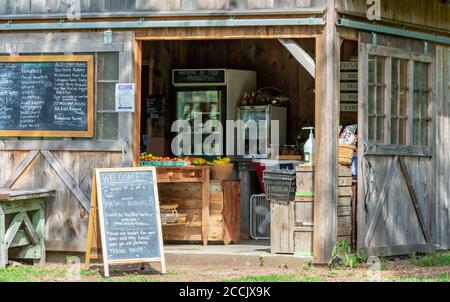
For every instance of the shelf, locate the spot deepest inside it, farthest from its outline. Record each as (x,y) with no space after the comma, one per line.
(174,224)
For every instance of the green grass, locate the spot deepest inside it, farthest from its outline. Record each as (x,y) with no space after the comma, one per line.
(276,278)
(443,277)
(29,273)
(435,259)
(88,273)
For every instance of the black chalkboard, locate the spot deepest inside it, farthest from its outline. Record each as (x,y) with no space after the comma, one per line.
(46,96)
(198,76)
(156,106)
(129,214)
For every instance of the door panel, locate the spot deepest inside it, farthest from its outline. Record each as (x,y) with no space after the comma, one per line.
(395,199)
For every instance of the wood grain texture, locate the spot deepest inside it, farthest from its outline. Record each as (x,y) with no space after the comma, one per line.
(327,117)
(231,212)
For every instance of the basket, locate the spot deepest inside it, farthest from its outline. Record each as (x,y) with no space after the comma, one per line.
(221,171)
(170,218)
(280,185)
(346,154)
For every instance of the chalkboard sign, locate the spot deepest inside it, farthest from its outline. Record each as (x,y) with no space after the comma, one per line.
(48,96)
(156,106)
(129,216)
(184,77)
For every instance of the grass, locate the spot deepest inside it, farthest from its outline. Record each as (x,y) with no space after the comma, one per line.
(29,273)
(277,278)
(434,259)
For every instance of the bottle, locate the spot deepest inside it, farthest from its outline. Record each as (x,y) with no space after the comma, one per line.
(310,147)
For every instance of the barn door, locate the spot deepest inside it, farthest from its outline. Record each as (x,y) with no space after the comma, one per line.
(396,135)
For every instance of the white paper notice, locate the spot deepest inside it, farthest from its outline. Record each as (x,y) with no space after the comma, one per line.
(125,97)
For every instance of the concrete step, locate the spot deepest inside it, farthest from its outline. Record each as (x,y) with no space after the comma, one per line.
(236,260)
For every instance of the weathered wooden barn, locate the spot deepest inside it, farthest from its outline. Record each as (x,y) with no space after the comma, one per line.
(403,108)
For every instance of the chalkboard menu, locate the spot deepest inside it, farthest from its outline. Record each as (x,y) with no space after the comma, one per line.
(46,96)
(156,106)
(198,76)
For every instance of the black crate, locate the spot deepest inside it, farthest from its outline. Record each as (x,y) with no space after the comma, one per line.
(280,185)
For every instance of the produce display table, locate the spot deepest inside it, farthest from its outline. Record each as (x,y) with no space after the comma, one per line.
(190,175)
(22,224)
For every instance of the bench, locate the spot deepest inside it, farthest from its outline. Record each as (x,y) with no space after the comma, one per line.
(22,225)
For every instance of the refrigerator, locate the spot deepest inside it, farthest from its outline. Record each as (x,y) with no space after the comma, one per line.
(204,95)
(262,146)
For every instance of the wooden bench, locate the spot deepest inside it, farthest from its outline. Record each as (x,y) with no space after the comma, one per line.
(22,225)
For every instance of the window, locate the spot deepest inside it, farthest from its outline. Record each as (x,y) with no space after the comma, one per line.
(377,86)
(399,94)
(399,114)
(107,120)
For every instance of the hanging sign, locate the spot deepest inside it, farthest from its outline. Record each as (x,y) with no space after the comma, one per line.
(125,97)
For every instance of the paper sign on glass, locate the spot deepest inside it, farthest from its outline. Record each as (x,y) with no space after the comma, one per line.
(125,97)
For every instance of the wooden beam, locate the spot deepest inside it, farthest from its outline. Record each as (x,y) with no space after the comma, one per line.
(13,228)
(327,122)
(300,55)
(71,145)
(3,249)
(65,246)
(67,179)
(26,162)
(30,231)
(396,150)
(137,113)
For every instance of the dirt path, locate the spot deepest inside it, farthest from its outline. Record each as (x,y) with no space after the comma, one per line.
(392,270)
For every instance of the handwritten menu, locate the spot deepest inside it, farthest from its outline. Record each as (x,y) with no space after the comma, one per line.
(129,211)
(44,96)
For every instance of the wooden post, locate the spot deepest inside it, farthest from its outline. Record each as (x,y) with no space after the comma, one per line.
(3,250)
(327,122)
(205,206)
(137,113)
(39,223)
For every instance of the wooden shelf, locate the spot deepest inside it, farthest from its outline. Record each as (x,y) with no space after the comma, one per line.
(174,224)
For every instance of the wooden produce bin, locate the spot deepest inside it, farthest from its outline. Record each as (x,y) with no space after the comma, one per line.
(223,211)
(292,225)
(345,225)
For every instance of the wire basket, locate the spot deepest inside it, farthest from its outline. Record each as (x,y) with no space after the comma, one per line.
(280,185)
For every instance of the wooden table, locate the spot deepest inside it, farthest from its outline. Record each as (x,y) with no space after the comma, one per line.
(22,224)
(190,175)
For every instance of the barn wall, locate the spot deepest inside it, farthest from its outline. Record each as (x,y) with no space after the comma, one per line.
(442,215)
(65,165)
(427,13)
(23,7)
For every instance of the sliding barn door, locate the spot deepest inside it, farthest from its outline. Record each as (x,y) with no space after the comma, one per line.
(396,139)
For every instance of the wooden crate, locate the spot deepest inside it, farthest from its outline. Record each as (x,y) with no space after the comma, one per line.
(292,225)
(345,228)
(224,211)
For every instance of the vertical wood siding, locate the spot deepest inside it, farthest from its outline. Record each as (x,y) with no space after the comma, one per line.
(442,211)
(90,6)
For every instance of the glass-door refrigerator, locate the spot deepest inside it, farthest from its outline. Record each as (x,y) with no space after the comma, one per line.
(207,96)
(258,145)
